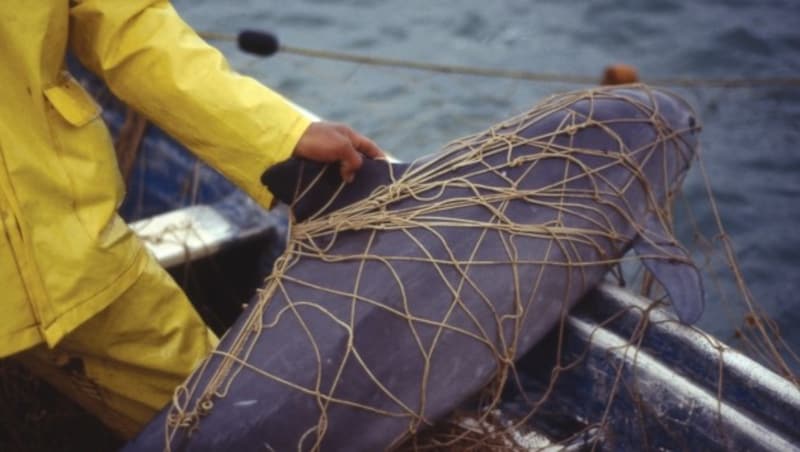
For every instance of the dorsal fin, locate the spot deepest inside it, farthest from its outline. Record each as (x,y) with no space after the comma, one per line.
(308,187)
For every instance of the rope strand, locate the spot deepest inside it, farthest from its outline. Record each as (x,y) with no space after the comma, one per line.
(544,77)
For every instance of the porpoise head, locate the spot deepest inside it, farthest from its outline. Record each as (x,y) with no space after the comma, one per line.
(674,148)
(651,133)
(660,135)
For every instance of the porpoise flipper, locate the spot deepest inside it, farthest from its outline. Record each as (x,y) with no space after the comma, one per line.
(673,268)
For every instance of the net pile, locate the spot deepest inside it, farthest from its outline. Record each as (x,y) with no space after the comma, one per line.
(401,305)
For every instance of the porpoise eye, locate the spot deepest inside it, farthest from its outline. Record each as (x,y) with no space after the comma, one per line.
(692,123)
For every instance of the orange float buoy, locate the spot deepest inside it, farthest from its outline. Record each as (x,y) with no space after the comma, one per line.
(619,74)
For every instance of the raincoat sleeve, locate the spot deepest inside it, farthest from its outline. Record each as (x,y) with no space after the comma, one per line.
(152,60)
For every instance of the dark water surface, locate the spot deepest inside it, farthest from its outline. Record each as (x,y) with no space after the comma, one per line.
(749,142)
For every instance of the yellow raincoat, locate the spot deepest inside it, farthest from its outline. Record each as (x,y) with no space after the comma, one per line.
(65,254)
(93,311)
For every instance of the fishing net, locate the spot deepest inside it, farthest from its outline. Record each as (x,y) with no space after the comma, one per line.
(427,289)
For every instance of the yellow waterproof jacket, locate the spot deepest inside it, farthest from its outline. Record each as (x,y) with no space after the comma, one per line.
(64,252)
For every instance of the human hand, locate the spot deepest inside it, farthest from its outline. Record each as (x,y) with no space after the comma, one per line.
(328,142)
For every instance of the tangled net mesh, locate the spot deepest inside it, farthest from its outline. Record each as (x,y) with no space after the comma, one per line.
(476,251)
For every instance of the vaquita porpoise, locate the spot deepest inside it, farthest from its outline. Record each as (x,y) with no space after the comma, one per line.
(403,293)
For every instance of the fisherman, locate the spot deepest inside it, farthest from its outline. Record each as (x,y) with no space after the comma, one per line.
(85,306)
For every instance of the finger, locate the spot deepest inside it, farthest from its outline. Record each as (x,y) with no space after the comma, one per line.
(350,162)
(364,144)
(369,148)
